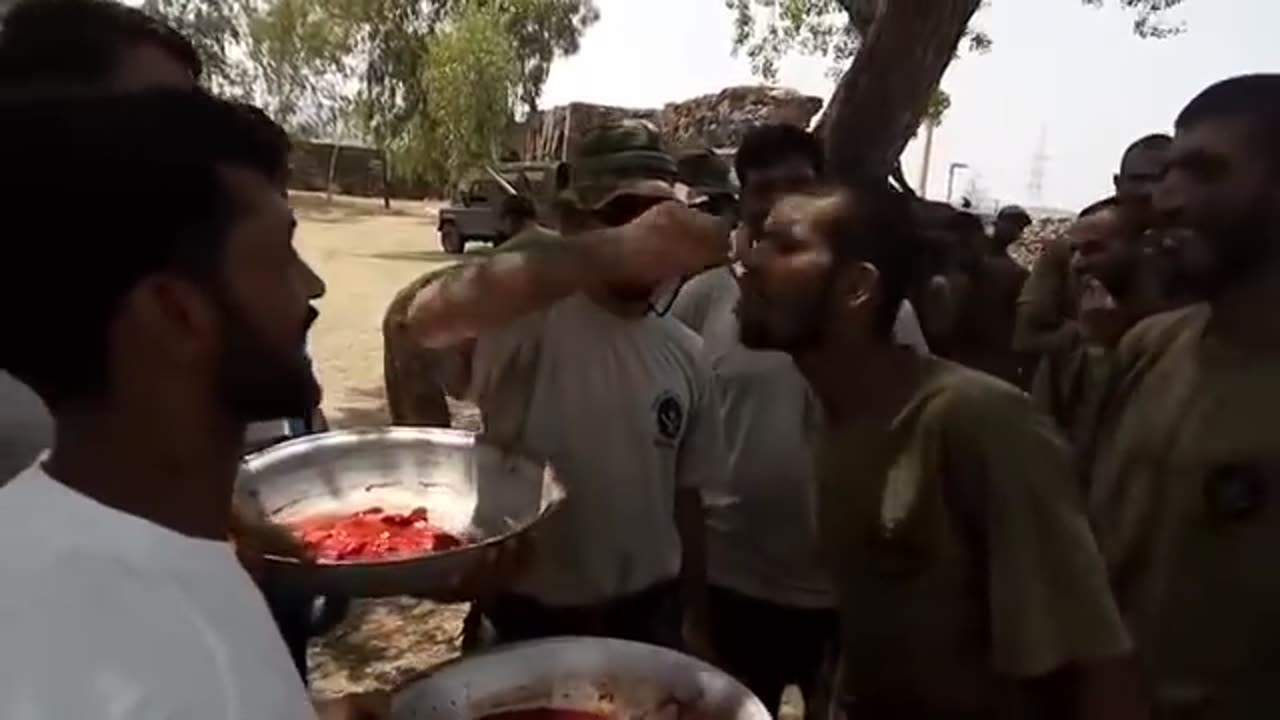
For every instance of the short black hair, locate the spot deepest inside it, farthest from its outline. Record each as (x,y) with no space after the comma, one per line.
(1155,142)
(76,43)
(767,145)
(872,223)
(1252,98)
(1013,211)
(1134,217)
(1094,208)
(141,172)
(272,142)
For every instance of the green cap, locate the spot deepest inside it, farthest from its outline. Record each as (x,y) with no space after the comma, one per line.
(620,158)
(706,174)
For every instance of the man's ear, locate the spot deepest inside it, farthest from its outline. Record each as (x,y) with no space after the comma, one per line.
(856,285)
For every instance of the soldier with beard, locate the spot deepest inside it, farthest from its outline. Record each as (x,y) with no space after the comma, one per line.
(967,579)
(1123,279)
(559,345)
(181,318)
(1185,479)
(772,609)
(102,46)
(1049,303)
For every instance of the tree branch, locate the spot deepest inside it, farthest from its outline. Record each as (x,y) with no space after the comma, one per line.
(879,101)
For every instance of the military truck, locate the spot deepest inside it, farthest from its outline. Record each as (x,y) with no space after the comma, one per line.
(472,214)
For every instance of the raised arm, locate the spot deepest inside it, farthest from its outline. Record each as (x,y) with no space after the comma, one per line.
(668,241)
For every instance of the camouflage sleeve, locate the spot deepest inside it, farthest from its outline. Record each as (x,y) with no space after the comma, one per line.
(1049,600)
(414,387)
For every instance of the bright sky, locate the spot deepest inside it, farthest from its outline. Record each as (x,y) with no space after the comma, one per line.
(1075,73)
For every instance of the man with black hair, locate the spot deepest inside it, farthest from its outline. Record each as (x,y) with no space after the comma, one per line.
(569,358)
(773,160)
(170,339)
(63,45)
(1123,282)
(772,609)
(1185,475)
(1049,302)
(50,45)
(967,577)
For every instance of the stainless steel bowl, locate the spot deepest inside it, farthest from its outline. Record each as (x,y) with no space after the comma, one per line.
(616,678)
(469,488)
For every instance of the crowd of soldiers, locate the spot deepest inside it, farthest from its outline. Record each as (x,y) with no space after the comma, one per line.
(820,434)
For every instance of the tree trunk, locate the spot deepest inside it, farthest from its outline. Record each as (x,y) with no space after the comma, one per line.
(881,98)
(333,169)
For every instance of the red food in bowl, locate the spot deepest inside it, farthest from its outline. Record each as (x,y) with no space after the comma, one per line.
(372,534)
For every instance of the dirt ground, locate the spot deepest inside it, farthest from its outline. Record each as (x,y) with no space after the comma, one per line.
(365,255)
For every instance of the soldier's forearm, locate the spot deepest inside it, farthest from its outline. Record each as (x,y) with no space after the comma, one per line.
(477,297)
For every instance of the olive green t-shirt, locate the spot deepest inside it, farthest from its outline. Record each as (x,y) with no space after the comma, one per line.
(1185,499)
(960,550)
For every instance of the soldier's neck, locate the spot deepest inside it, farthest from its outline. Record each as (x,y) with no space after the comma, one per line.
(1244,315)
(852,383)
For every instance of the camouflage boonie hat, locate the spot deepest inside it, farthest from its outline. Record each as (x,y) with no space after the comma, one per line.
(620,158)
(706,175)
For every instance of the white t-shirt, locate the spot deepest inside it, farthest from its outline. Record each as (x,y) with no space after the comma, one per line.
(26,429)
(762,542)
(107,616)
(625,410)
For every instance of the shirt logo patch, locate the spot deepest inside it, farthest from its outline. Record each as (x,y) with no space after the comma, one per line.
(669,414)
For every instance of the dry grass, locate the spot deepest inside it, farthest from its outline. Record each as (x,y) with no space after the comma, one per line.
(365,255)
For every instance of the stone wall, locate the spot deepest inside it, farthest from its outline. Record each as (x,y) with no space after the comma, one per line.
(718,120)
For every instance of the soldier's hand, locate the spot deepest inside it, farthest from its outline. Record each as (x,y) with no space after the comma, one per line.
(1101,320)
(500,566)
(255,537)
(668,241)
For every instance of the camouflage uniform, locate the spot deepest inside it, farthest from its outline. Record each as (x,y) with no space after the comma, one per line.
(620,159)
(414,393)
(545,384)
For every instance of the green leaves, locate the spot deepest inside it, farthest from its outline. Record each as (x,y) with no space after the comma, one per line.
(1148,21)
(215,27)
(470,83)
(434,82)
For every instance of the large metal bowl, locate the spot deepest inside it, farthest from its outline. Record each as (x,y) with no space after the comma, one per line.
(469,488)
(616,678)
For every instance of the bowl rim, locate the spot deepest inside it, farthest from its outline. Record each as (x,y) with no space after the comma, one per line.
(448,436)
(568,641)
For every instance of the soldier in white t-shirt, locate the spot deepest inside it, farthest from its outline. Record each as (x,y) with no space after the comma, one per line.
(167,346)
(559,345)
